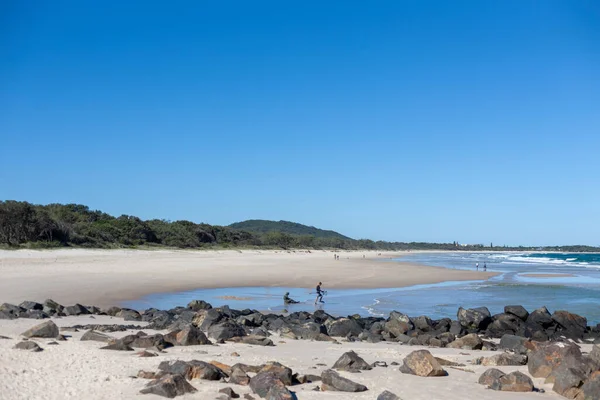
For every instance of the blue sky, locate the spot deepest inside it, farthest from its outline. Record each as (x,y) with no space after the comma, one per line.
(396,120)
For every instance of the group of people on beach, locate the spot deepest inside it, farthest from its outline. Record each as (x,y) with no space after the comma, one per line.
(484,266)
(320,293)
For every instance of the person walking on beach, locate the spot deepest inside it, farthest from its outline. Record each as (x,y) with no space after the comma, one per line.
(319,298)
(477,266)
(485,266)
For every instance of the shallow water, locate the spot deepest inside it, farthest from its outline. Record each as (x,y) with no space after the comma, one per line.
(579,293)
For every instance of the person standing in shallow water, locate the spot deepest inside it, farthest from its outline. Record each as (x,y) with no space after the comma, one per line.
(319,298)
(485,266)
(477,266)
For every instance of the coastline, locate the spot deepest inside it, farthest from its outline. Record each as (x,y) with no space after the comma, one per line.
(109,277)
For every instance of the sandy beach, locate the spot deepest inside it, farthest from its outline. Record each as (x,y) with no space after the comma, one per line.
(80,370)
(108,277)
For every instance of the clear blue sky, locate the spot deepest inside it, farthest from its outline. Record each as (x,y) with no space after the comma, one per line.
(475,121)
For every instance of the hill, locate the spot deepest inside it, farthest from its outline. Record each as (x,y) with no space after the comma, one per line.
(291,228)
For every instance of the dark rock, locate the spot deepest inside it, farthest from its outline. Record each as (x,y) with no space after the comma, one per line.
(191,336)
(253,340)
(129,315)
(571,325)
(12,309)
(519,345)
(380,364)
(4,337)
(31,305)
(513,382)
(34,314)
(503,324)
(283,373)
(238,376)
(228,391)
(145,354)
(447,363)
(225,330)
(342,327)
(309,330)
(398,324)
(504,359)
(207,318)
(567,381)
(456,328)
(308,378)
(28,345)
(351,361)
(387,395)
(198,305)
(77,309)
(96,336)
(193,369)
(168,386)
(52,305)
(158,319)
(518,311)
(332,381)
(422,363)
(262,382)
(280,392)
(47,329)
(474,318)
(248,396)
(113,311)
(118,346)
(147,341)
(469,342)
(590,390)
(540,317)
(423,323)
(7,315)
(102,328)
(490,376)
(545,357)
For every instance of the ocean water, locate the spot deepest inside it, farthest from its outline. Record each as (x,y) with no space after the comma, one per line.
(579,292)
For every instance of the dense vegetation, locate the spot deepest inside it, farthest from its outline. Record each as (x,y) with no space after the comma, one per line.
(59,225)
(292,228)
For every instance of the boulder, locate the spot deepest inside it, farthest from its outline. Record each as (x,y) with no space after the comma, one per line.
(518,311)
(351,361)
(398,324)
(117,346)
(279,392)
(490,376)
(46,329)
(308,378)
(469,342)
(191,336)
(474,318)
(283,373)
(198,305)
(504,359)
(12,309)
(387,395)
(253,340)
(7,315)
(332,381)
(34,314)
(456,328)
(545,357)
(422,323)
(517,344)
(262,382)
(28,345)
(147,341)
(52,305)
(229,393)
(207,318)
(77,309)
(225,330)
(193,369)
(113,311)
(567,381)
(169,386)
(540,317)
(513,382)
(343,327)
(309,330)
(96,337)
(571,325)
(238,376)
(422,363)
(503,324)
(591,388)
(31,305)
(129,315)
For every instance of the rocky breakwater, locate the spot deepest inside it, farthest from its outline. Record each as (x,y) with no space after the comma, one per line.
(547,343)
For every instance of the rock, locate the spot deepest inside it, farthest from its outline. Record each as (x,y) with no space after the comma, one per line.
(422,323)
(147,341)
(118,346)
(77,309)
(248,396)
(571,325)
(380,364)
(238,376)
(590,390)
(456,328)
(193,369)
(308,378)
(447,363)
(34,314)
(283,373)
(513,382)
(567,381)
(168,386)
(4,337)
(113,311)
(469,342)
(191,336)
(228,391)
(422,363)
(279,392)
(332,381)
(46,329)
(503,324)
(226,330)
(540,317)
(545,357)
(145,354)
(7,315)
(519,345)
(96,337)
(342,327)
(28,345)
(518,311)
(351,361)
(490,376)
(129,315)
(207,318)
(474,318)
(387,395)
(31,305)
(11,309)
(262,382)
(147,374)
(198,305)
(253,340)
(309,330)
(398,324)
(504,359)
(52,305)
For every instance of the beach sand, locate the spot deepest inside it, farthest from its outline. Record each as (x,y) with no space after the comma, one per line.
(108,277)
(80,370)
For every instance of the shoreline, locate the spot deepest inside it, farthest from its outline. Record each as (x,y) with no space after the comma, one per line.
(110,277)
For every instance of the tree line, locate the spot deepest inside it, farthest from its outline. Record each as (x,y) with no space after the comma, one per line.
(73,225)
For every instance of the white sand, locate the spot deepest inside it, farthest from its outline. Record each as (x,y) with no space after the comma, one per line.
(107,277)
(79,370)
